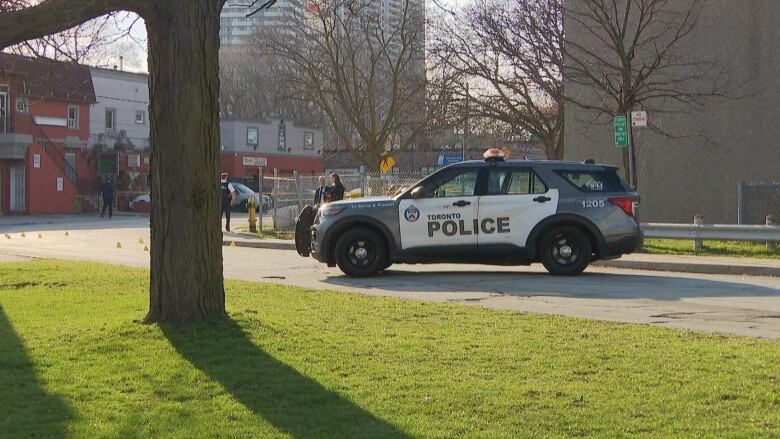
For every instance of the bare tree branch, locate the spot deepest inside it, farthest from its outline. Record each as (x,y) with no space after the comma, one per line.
(54,16)
(367,77)
(510,54)
(627,54)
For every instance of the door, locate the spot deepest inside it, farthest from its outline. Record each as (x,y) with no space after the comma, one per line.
(440,224)
(515,201)
(17,188)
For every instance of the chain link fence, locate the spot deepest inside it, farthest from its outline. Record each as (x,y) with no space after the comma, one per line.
(757,200)
(289,194)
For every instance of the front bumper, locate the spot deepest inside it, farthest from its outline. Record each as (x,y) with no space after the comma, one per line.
(317,249)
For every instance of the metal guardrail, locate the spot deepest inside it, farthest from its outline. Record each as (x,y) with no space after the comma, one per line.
(719,232)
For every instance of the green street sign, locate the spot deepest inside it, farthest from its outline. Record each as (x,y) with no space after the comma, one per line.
(621,131)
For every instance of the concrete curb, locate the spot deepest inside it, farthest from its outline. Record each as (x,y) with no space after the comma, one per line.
(677,267)
(259,243)
(734,270)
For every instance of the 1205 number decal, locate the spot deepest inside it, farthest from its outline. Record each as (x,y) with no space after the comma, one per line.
(592,203)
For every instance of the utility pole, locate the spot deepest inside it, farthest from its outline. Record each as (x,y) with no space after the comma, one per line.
(633,178)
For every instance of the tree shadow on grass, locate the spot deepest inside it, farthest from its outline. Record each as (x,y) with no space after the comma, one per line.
(26,408)
(293,403)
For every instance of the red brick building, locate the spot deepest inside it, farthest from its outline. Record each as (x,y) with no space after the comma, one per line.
(44,129)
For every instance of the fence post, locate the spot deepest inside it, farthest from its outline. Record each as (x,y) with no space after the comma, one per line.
(362,180)
(297,177)
(698,244)
(741,202)
(260,191)
(770,245)
(274,192)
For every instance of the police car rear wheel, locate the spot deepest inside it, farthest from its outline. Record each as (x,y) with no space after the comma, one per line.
(360,253)
(565,251)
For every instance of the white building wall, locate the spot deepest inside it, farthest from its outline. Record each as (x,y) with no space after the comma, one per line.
(126,93)
(233,138)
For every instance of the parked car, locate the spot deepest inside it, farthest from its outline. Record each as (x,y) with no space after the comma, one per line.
(243,194)
(142,203)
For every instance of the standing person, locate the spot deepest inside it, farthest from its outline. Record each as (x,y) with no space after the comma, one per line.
(336,192)
(320,192)
(107,191)
(227,198)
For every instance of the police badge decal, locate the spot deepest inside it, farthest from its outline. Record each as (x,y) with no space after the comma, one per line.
(411,214)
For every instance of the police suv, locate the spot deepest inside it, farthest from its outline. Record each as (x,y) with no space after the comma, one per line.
(496,211)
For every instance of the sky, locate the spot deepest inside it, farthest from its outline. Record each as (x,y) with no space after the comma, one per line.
(133,48)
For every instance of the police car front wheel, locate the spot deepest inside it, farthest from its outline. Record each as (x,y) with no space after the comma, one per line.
(565,251)
(360,252)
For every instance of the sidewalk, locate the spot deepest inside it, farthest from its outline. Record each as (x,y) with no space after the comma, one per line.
(65,218)
(637,261)
(248,240)
(697,264)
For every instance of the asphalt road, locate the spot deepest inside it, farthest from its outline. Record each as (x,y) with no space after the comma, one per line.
(730,304)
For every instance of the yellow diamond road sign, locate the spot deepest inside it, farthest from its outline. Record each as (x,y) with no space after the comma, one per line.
(387,163)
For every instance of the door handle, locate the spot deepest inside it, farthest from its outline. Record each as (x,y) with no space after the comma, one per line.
(542,199)
(461,203)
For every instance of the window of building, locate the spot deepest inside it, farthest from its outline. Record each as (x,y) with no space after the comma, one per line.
(140,117)
(73,117)
(22,105)
(308,140)
(252,136)
(110,120)
(4,104)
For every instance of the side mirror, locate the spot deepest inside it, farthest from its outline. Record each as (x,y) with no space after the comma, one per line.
(418,192)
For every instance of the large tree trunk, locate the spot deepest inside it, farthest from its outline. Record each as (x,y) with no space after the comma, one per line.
(186,247)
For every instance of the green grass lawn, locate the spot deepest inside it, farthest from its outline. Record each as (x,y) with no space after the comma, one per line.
(711,248)
(298,363)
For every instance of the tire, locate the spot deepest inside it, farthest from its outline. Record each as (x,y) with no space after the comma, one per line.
(303,231)
(565,251)
(356,242)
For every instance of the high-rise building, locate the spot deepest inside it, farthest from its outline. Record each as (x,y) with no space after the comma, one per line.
(236,27)
(392,12)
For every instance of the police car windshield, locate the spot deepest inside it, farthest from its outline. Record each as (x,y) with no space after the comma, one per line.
(400,191)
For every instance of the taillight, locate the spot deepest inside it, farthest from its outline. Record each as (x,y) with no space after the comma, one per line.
(625,203)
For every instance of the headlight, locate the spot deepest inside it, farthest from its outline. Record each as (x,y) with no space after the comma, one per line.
(331,210)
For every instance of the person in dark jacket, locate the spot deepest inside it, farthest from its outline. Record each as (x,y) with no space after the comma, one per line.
(107,191)
(227,198)
(336,192)
(320,192)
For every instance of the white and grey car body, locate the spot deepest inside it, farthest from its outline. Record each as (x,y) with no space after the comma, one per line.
(495,212)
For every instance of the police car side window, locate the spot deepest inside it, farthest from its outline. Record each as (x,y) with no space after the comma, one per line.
(538,186)
(462,184)
(594,181)
(514,182)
